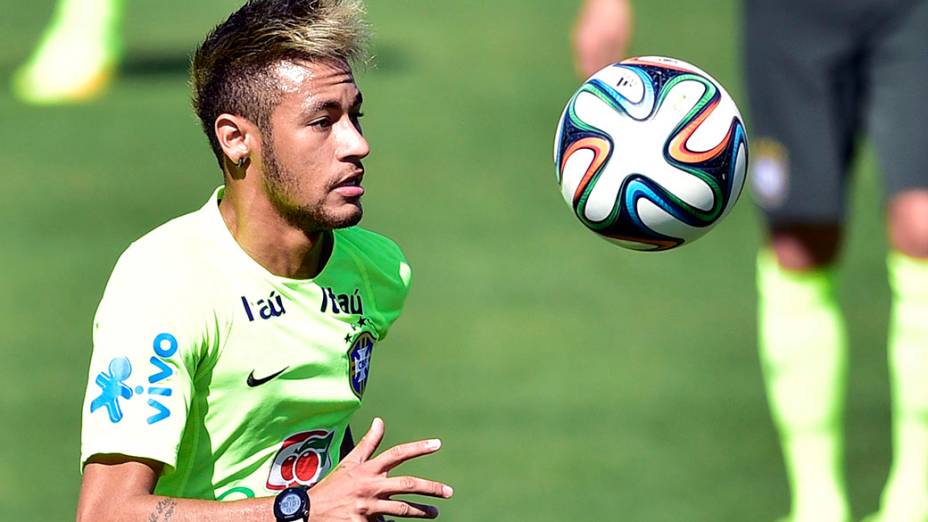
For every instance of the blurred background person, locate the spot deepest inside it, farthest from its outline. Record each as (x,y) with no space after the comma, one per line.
(819,75)
(76,56)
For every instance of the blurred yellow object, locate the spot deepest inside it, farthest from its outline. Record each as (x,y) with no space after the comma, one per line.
(76,57)
(41,87)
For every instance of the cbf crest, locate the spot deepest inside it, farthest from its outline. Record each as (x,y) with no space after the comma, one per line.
(359,361)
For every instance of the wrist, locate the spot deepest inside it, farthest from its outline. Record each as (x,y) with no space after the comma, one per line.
(292,505)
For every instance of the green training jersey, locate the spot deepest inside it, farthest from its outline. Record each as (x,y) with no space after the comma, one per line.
(241,382)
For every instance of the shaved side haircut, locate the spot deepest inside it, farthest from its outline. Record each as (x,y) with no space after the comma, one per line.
(233,69)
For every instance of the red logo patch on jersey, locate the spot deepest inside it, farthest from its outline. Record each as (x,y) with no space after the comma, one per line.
(302,460)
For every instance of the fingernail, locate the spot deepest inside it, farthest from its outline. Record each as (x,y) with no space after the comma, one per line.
(447,491)
(434,443)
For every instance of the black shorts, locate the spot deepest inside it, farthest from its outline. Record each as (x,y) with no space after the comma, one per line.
(821,74)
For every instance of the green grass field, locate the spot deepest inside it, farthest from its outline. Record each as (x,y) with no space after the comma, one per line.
(569,379)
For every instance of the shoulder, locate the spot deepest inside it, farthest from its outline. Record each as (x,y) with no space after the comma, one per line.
(376,253)
(175,253)
(380,266)
(371,244)
(177,242)
(167,269)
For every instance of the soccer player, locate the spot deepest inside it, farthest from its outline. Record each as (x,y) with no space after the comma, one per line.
(233,344)
(820,73)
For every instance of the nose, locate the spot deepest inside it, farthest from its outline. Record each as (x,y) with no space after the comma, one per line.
(354,144)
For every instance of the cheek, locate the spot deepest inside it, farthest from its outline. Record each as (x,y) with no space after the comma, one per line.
(307,176)
(298,162)
(294,146)
(301,159)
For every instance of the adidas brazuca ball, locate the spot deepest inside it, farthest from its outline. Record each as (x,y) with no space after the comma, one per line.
(651,153)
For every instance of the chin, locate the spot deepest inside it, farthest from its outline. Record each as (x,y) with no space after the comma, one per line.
(345,218)
(321,218)
(349,222)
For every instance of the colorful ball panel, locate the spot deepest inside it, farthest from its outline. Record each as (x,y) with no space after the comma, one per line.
(650,153)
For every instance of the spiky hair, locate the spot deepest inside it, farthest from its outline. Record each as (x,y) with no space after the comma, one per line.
(232,69)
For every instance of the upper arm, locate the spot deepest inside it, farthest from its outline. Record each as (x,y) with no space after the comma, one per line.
(146,341)
(109,479)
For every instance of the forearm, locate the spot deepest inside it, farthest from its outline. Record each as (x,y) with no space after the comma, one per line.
(117,488)
(154,508)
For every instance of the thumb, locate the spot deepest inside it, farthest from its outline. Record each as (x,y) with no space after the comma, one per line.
(368,444)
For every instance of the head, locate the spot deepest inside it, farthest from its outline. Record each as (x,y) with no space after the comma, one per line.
(275,93)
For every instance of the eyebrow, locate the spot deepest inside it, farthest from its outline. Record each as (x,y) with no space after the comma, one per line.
(326,105)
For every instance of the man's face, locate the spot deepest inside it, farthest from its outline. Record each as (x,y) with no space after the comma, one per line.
(313,150)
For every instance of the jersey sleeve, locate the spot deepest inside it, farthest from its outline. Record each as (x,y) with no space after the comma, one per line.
(146,344)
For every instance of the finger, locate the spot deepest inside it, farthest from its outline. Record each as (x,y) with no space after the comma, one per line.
(368,443)
(397,455)
(405,509)
(415,485)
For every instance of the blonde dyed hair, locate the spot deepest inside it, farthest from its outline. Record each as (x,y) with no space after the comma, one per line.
(233,69)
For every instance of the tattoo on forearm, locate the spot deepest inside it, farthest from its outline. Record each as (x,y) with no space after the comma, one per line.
(164,510)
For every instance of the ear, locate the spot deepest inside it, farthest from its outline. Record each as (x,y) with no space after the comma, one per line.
(237,136)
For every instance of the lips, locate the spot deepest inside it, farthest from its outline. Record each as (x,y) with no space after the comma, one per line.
(350,187)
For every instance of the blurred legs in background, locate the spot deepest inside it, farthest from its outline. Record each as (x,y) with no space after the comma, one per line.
(76,56)
(804,358)
(807,126)
(905,497)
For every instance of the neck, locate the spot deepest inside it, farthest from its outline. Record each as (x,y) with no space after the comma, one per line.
(277,245)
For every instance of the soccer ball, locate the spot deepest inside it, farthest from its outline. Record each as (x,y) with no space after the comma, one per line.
(650,153)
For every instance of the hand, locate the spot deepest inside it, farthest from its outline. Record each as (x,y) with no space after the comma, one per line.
(601,35)
(359,490)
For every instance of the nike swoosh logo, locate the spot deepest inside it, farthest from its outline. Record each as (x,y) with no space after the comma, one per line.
(252,382)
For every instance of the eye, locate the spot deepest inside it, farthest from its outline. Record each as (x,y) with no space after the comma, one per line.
(322,123)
